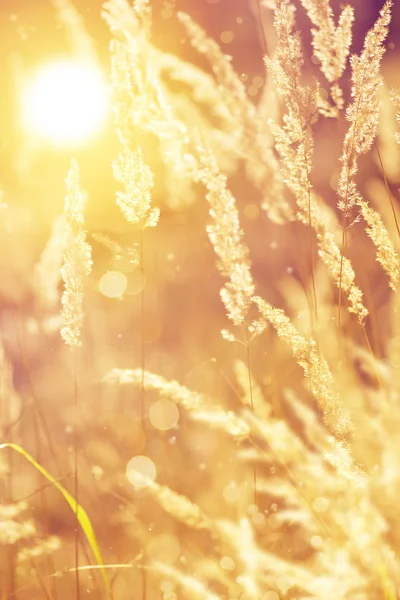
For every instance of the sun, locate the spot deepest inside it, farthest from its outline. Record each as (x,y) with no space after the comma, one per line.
(65,102)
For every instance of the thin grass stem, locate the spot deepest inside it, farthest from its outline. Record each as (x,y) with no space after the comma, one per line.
(76,474)
(388,191)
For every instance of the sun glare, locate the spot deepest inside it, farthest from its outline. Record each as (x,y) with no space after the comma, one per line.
(65,102)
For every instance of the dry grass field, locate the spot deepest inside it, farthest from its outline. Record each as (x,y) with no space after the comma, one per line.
(200,300)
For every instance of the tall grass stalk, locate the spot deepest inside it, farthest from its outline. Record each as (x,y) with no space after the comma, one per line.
(142,367)
(76,472)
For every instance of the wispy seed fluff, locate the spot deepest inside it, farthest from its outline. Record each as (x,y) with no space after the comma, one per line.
(363,115)
(315,367)
(200,407)
(77,260)
(385,252)
(262,168)
(137,178)
(363,112)
(294,143)
(331,43)
(132,108)
(226,237)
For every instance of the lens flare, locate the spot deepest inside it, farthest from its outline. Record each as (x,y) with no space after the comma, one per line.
(163,414)
(113,284)
(140,471)
(65,102)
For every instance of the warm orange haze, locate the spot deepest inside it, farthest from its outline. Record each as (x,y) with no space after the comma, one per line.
(199,300)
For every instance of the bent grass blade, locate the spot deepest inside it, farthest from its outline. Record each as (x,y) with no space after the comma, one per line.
(81,514)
